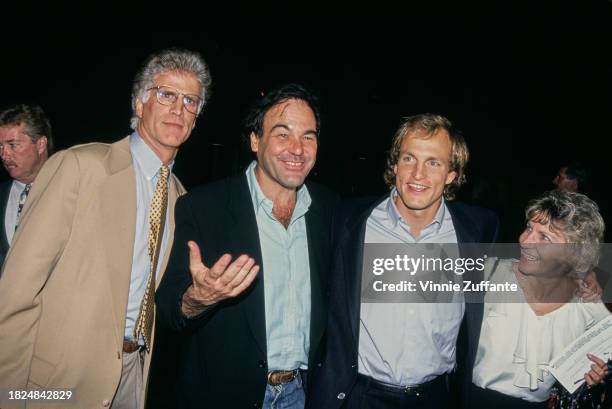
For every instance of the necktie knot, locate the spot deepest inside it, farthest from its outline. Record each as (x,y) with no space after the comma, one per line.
(163,172)
(24,193)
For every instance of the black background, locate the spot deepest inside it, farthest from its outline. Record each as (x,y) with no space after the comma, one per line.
(529,84)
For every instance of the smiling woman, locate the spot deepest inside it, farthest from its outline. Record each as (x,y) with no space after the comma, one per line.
(572,218)
(518,340)
(544,269)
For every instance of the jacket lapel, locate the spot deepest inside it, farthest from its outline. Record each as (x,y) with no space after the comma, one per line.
(466,232)
(118,207)
(474,307)
(5,189)
(318,280)
(244,236)
(352,260)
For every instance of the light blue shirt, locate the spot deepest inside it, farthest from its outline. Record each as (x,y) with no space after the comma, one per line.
(146,170)
(408,343)
(286,271)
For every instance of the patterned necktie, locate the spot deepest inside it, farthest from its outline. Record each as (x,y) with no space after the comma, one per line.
(157,219)
(22,199)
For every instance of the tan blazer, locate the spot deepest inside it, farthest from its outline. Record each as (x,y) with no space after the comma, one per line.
(64,288)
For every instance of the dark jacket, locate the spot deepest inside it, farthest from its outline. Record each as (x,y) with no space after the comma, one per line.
(222,362)
(336,374)
(5,189)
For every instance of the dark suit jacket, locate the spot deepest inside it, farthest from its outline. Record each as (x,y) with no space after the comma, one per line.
(336,374)
(5,189)
(222,363)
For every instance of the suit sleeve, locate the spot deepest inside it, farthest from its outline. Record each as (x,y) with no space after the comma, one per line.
(177,277)
(45,227)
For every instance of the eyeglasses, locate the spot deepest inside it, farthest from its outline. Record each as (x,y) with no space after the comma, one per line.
(167,95)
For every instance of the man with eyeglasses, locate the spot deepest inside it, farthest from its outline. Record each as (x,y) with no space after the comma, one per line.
(25,145)
(77,292)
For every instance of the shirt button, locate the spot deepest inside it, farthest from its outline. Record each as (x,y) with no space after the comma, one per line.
(341,395)
(106,403)
(261,363)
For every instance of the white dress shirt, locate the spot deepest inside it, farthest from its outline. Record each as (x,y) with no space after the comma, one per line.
(516,346)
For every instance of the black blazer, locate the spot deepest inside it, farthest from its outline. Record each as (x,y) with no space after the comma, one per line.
(335,375)
(222,362)
(5,189)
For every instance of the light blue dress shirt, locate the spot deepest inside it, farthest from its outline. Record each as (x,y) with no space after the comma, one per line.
(286,270)
(146,170)
(408,343)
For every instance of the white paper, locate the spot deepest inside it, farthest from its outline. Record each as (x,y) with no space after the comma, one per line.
(571,365)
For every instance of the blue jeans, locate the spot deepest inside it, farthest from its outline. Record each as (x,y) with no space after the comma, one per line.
(288,395)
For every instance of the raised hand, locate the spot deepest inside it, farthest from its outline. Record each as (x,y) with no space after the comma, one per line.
(225,279)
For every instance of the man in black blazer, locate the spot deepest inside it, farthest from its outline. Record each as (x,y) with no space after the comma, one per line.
(25,145)
(380,355)
(252,325)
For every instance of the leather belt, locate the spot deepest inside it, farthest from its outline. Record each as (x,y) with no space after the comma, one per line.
(436,385)
(130,346)
(280,377)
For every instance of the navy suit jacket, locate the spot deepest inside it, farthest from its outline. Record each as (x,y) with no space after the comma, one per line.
(5,189)
(222,362)
(335,375)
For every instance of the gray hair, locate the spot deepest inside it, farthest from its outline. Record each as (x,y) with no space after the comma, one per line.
(578,218)
(173,59)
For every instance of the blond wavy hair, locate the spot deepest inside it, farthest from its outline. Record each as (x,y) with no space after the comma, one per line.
(430,123)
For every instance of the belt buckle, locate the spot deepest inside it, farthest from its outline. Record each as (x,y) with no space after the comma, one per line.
(130,346)
(292,375)
(415,390)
